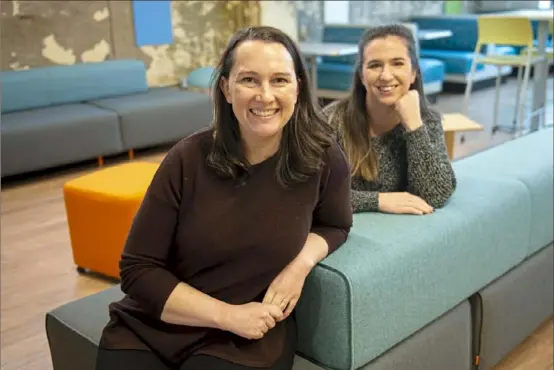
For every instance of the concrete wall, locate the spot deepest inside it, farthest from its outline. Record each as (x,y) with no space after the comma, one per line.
(382,12)
(492,5)
(281,15)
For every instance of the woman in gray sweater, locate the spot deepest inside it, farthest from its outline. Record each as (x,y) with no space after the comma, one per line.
(394,142)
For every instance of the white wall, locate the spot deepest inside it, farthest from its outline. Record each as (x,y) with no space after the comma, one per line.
(281,15)
(336,12)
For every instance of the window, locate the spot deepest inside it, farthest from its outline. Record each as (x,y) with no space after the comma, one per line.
(545,4)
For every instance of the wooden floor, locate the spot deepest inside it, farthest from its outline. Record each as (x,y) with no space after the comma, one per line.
(37,271)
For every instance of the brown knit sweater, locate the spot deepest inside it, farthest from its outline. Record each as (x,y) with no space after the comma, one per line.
(416,162)
(226,239)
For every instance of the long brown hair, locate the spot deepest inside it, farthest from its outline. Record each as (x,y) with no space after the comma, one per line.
(356,141)
(305,137)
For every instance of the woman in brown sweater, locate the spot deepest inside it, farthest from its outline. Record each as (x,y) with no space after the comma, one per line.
(393,140)
(234,220)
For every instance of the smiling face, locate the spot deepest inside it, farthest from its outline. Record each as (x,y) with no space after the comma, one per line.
(262,89)
(387,71)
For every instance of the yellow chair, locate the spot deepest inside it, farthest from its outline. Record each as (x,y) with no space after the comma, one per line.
(100,208)
(550,58)
(512,31)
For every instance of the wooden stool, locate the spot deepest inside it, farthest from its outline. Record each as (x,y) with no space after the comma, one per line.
(100,208)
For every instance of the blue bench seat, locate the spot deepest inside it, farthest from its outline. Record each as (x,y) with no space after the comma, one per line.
(432,70)
(459,61)
(385,283)
(529,159)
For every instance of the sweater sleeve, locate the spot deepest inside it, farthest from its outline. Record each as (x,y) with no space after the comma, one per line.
(332,218)
(364,201)
(430,174)
(145,276)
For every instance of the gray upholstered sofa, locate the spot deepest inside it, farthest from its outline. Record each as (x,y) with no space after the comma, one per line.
(434,292)
(59,115)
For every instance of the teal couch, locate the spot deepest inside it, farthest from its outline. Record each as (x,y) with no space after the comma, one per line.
(59,115)
(458,50)
(335,73)
(432,292)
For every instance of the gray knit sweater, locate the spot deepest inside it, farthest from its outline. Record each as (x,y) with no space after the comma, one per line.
(416,162)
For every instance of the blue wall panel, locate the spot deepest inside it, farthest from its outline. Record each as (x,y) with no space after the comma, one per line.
(152,21)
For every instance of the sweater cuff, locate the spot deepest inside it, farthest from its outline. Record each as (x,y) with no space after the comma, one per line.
(334,236)
(419,136)
(365,201)
(160,291)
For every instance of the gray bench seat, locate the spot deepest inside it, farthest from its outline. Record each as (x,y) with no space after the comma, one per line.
(46,137)
(161,115)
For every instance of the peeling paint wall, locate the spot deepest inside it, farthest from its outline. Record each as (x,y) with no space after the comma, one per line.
(202,29)
(43,33)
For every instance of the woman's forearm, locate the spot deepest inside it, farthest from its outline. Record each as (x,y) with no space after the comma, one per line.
(315,249)
(188,306)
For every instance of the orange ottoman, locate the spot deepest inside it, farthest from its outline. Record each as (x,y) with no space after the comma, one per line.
(100,208)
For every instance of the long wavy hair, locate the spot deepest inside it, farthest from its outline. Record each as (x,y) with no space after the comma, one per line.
(305,137)
(356,141)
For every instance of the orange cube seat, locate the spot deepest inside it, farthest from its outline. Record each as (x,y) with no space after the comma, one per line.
(100,208)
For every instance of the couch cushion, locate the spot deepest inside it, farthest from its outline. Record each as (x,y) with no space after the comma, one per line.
(200,77)
(463,27)
(74,330)
(432,70)
(335,76)
(46,137)
(455,62)
(162,115)
(528,159)
(459,62)
(42,87)
(514,306)
(397,273)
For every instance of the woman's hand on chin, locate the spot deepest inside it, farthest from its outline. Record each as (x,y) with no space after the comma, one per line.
(407,108)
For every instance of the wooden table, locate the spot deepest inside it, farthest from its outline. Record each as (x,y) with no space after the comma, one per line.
(423,34)
(453,123)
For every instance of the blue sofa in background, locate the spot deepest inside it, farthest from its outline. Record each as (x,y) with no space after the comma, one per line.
(472,280)
(458,50)
(59,115)
(335,73)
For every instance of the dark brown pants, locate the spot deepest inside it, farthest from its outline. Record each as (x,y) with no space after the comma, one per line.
(145,360)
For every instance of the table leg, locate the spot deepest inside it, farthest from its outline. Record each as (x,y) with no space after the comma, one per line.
(449,137)
(540,76)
